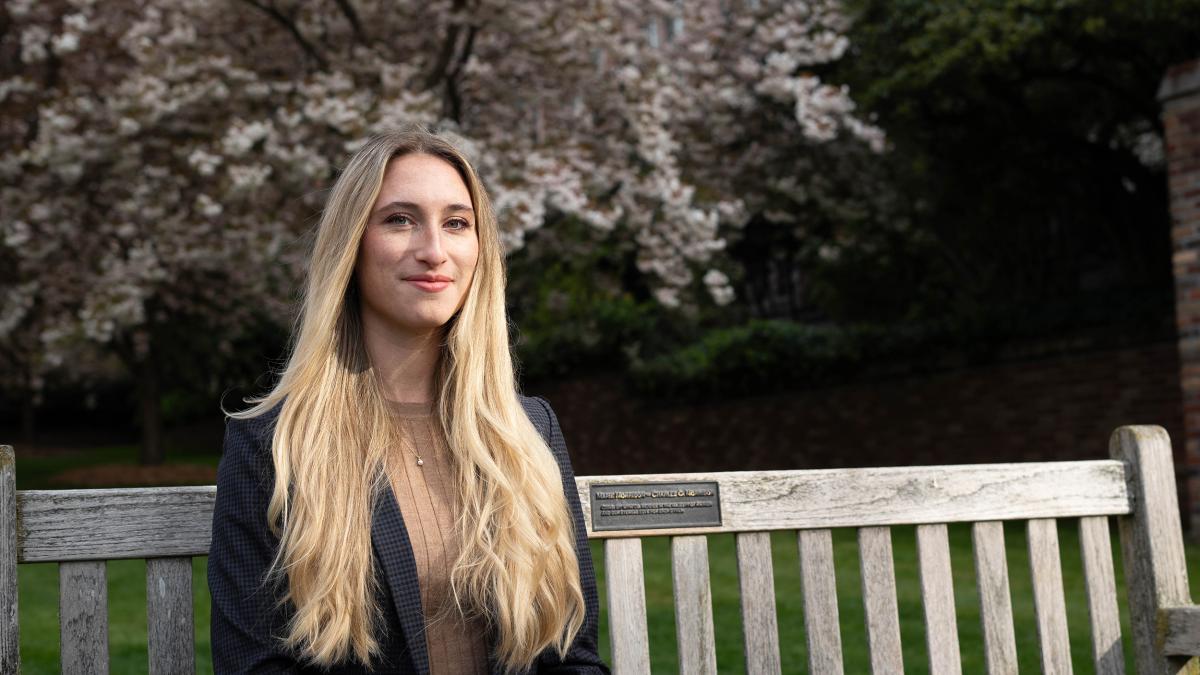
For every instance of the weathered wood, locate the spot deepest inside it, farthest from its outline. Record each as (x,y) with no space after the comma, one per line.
(693,605)
(58,525)
(1151,543)
(995,601)
(10,634)
(626,591)
(1180,630)
(169,615)
(177,521)
(937,594)
(756,580)
(830,498)
(819,587)
(83,617)
(1049,605)
(879,600)
(1096,548)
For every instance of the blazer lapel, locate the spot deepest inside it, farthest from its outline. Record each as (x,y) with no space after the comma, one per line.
(392,546)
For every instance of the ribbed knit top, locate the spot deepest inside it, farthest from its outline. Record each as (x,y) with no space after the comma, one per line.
(429,504)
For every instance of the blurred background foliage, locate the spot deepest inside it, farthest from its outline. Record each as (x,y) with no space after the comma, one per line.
(1026,164)
(1027,143)
(1022,195)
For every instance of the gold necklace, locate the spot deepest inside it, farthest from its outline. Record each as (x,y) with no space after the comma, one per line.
(413,450)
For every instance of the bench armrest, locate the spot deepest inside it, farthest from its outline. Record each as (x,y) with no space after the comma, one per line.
(1179,630)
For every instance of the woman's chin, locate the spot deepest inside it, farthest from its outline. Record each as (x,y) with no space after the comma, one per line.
(422,325)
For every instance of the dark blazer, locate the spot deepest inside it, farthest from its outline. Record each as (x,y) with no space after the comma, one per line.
(246,623)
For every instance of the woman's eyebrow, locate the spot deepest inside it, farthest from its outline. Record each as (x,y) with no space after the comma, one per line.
(413,206)
(457,208)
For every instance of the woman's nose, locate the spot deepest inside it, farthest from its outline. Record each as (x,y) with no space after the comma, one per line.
(429,247)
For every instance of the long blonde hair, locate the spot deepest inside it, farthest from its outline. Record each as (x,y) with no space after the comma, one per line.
(517,567)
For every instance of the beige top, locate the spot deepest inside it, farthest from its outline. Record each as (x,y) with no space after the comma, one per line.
(428,503)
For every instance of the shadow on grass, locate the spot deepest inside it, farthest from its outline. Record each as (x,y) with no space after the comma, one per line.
(111,466)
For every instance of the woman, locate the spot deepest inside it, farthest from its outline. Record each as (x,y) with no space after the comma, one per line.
(393,505)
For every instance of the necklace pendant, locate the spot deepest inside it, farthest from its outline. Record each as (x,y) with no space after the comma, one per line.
(420,462)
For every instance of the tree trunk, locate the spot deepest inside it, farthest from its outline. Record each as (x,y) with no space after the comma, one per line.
(148,399)
(28,421)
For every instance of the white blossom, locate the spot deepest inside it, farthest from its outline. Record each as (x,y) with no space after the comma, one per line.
(15,302)
(718,287)
(64,43)
(207,207)
(33,44)
(186,147)
(205,163)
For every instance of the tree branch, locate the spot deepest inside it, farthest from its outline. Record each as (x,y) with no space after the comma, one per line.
(447,51)
(290,26)
(452,95)
(468,45)
(352,17)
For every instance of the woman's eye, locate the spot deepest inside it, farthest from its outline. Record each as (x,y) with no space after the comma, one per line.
(457,224)
(398,219)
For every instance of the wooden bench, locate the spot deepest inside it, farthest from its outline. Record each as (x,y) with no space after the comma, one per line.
(81,529)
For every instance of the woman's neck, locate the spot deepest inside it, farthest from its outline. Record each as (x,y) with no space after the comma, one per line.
(404,362)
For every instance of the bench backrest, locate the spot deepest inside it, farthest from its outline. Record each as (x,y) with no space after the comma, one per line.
(82,529)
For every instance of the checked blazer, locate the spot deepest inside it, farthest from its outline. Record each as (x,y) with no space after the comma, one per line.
(247,620)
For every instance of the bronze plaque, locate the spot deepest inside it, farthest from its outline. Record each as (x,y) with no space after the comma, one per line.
(649,506)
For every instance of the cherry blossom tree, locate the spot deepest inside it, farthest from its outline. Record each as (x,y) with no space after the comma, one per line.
(162,162)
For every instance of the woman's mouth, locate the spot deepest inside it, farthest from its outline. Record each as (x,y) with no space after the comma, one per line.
(430,283)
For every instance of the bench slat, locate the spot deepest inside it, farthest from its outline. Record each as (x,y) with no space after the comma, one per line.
(756,580)
(10,633)
(626,591)
(1096,547)
(177,521)
(169,615)
(61,525)
(879,600)
(995,601)
(819,586)
(83,617)
(693,605)
(1049,605)
(937,593)
(831,498)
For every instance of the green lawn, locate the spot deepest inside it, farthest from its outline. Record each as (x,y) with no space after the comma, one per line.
(127,597)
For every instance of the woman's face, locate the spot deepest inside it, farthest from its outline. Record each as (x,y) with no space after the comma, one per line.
(418,254)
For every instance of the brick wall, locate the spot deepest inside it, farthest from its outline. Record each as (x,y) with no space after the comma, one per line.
(1060,407)
(1180,97)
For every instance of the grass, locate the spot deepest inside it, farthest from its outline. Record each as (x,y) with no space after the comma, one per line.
(38,605)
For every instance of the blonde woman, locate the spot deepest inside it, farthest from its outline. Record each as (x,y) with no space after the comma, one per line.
(393,505)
